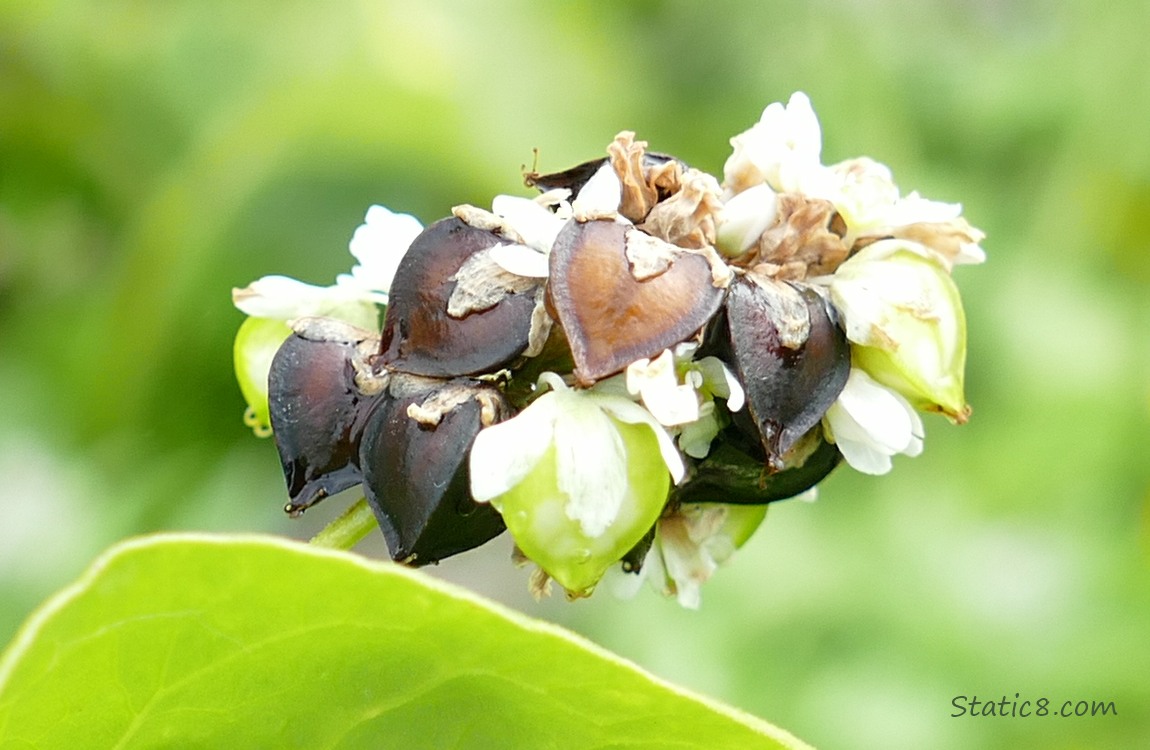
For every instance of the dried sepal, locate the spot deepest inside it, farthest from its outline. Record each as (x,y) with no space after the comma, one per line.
(806,239)
(687,218)
(646,178)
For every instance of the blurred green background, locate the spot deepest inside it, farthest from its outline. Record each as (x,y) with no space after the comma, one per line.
(154,155)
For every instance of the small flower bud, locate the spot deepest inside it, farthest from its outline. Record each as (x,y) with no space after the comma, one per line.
(257,342)
(579,476)
(904,315)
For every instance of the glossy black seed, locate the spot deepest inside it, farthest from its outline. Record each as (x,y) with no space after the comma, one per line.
(572,179)
(317,413)
(416,477)
(420,337)
(788,387)
(576,177)
(734,472)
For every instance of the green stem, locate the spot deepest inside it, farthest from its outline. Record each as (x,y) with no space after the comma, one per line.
(346,531)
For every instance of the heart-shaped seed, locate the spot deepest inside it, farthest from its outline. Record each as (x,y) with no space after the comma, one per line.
(792,359)
(415,471)
(610,318)
(421,337)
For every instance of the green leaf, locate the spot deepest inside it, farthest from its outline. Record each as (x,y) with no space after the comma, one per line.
(253,642)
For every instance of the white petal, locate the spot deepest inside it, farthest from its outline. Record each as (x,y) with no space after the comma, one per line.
(379,244)
(719,380)
(859,452)
(688,540)
(917,432)
(632,413)
(283,298)
(878,411)
(591,463)
(673,406)
(870,423)
(623,584)
(802,125)
(745,217)
(695,437)
(503,454)
(520,260)
(878,293)
(809,495)
(913,208)
(783,148)
(600,196)
(970,253)
(657,383)
(534,223)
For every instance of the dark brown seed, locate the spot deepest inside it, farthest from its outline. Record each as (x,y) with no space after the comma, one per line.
(415,472)
(317,413)
(572,179)
(576,177)
(611,319)
(789,384)
(734,472)
(420,337)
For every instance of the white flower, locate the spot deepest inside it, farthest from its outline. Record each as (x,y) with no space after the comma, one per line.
(656,382)
(903,311)
(782,149)
(870,423)
(270,301)
(579,477)
(679,393)
(379,244)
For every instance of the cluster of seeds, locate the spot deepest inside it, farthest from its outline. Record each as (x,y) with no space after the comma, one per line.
(625,369)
